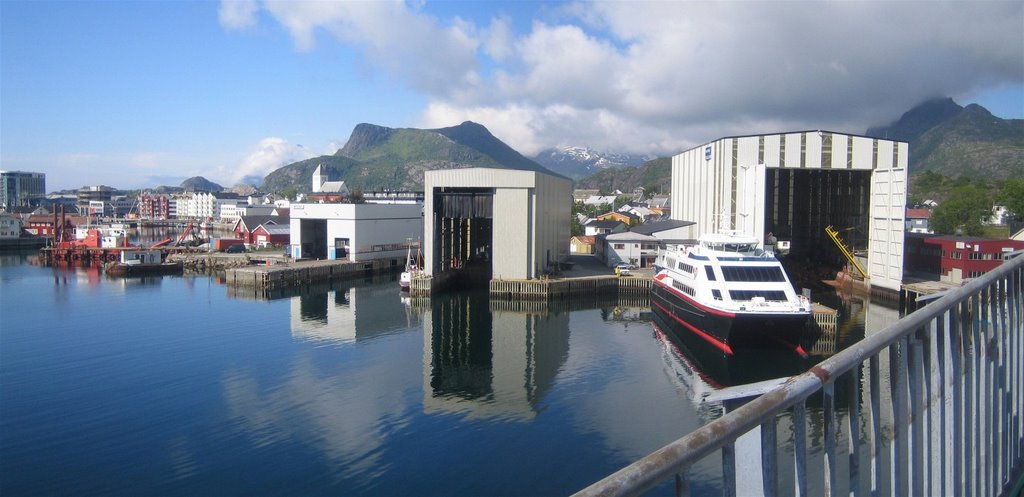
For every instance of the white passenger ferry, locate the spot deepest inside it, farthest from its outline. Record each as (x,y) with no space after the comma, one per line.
(729,292)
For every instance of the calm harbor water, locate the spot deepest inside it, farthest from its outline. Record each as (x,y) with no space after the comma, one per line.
(180,385)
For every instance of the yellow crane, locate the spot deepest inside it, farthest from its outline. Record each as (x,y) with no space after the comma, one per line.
(834,235)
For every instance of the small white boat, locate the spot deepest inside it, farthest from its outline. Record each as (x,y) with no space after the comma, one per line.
(410,272)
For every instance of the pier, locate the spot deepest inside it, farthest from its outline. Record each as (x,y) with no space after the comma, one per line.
(276,273)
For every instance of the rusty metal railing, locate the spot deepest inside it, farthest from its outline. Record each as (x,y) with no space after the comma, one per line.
(933,406)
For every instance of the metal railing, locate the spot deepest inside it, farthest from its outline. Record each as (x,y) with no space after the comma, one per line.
(932,406)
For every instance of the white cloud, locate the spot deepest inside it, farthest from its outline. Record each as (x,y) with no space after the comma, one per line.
(658,77)
(237,14)
(269,154)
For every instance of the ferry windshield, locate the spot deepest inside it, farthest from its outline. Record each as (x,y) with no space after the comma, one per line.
(733,247)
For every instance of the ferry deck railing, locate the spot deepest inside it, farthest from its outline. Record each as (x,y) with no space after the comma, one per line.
(950,424)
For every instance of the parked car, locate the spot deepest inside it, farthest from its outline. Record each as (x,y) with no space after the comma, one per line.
(237,248)
(623,268)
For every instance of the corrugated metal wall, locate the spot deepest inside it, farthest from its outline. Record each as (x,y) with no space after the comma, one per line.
(725,184)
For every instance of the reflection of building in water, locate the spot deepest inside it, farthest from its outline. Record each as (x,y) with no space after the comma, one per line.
(346,314)
(489,364)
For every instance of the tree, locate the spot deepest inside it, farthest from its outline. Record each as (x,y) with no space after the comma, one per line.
(1012,196)
(962,212)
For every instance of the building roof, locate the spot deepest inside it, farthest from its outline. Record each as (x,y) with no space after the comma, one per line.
(586,239)
(651,228)
(604,223)
(918,213)
(276,229)
(630,236)
(250,223)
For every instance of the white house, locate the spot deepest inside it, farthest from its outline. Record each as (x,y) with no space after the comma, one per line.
(632,247)
(354,232)
(10,226)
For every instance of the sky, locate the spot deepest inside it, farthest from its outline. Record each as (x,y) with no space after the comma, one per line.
(137,94)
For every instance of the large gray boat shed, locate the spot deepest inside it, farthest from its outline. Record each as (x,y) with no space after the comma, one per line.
(508,224)
(794,185)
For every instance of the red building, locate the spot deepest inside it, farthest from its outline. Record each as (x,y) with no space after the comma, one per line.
(956,258)
(271,235)
(154,206)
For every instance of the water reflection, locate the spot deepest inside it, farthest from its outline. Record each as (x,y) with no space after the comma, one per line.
(345,314)
(489,363)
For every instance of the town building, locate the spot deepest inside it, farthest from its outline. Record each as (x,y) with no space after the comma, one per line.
(917,220)
(630,247)
(582,244)
(956,258)
(94,200)
(205,206)
(325,189)
(245,227)
(603,227)
(154,206)
(10,227)
(20,188)
(795,185)
(271,235)
(625,217)
(354,232)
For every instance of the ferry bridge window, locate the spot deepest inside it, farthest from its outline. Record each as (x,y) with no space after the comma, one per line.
(740,273)
(710,272)
(769,295)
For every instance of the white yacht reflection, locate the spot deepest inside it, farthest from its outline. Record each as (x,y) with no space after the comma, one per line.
(486,363)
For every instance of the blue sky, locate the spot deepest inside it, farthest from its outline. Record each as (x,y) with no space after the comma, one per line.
(137,94)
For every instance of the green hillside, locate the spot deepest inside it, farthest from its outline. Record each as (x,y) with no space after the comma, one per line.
(377,157)
(654,175)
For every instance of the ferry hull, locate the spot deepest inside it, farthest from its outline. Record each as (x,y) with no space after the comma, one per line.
(726,331)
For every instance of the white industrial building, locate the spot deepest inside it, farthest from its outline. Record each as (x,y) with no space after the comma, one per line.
(793,185)
(512,224)
(354,232)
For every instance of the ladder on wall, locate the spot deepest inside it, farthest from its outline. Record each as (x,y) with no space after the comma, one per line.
(834,235)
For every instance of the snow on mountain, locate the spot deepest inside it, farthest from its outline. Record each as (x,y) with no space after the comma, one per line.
(579,162)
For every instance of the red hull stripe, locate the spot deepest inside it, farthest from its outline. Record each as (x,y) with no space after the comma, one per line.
(710,339)
(658,278)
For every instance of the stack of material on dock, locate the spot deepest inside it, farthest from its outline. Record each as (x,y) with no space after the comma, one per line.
(547,289)
(301,273)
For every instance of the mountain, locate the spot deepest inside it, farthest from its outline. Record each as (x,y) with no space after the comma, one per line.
(956,141)
(580,162)
(654,175)
(200,184)
(376,157)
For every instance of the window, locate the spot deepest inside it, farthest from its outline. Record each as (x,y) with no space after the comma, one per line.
(618,246)
(956,255)
(684,288)
(716,294)
(769,295)
(974,256)
(685,267)
(975,274)
(710,271)
(764,273)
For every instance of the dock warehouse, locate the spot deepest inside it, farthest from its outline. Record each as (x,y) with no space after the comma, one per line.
(793,185)
(512,223)
(354,232)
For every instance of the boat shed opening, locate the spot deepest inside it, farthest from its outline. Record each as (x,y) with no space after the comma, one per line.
(792,186)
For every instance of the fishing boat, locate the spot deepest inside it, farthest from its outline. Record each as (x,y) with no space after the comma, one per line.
(731,293)
(141,262)
(410,272)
